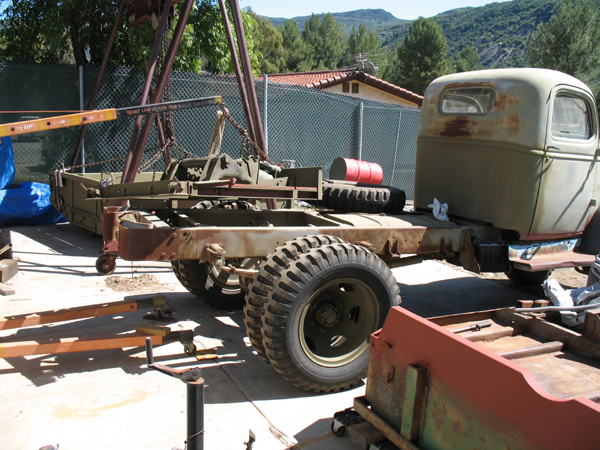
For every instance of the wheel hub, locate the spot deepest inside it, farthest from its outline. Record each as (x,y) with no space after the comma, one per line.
(327,314)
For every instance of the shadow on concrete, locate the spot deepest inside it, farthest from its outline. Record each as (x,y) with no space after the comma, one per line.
(459,295)
(224,330)
(237,362)
(319,436)
(63,238)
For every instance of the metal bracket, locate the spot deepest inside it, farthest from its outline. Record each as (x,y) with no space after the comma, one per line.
(392,249)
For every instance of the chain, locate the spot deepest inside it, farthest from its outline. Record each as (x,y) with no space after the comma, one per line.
(246,141)
(153,159)
(92,164)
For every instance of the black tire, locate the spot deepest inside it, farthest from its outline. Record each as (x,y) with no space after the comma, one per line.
(321,313)
(528,278)
(211,286)
(262,283)
(362,197)
(220,204)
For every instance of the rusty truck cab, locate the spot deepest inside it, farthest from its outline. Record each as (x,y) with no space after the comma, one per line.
(514,148)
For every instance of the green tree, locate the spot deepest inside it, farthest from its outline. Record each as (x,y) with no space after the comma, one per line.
(325,39)
(363,45)
(420,58)
(569,41)
(74,31)
(362,42)
(269,44)
(297,56)
(468,60)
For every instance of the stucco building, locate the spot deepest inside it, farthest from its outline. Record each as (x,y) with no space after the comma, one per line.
(354,83)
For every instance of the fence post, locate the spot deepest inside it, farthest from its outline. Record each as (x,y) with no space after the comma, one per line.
(396,151)
(265,115)
(360,130)
(81,109)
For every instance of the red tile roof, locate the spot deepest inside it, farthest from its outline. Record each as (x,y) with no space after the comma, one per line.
(328,78)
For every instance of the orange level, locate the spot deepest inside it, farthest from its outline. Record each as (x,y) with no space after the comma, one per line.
(101,115)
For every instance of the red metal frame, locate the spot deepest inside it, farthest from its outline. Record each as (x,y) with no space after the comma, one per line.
(473,396)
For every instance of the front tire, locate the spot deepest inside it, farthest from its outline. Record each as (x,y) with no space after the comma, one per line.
(321,313)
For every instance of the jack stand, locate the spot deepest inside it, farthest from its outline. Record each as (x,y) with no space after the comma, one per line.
(195,397)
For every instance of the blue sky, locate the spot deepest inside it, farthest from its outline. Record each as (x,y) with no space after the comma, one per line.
(401,9)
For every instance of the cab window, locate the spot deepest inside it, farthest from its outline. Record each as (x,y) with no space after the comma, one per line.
(571,117)
(472,101)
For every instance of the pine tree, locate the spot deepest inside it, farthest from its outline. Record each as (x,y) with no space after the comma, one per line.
(420,58)
(569,41)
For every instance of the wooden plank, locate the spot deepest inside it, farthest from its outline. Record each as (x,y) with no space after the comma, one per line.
(103,309)
(8,269)
(72,345)
(5,290)
(365,433)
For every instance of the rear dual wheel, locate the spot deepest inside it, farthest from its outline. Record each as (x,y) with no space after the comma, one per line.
(210,285)
(320,310)
(263,283)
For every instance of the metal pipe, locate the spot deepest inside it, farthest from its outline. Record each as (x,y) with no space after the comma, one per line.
(81,108)
(236,68)
(248,78)
(130,172)
(111,41)
(360,130)
(396,151)
(265,116)
(147,85)
(558,308)
(195,415)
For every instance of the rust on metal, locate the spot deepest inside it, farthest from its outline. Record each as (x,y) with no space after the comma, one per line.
(551,261)
(362,407)
(253,241)
(475,398)
(110,230)
(459,127)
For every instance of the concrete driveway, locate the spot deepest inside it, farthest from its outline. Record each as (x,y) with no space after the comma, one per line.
(109,399)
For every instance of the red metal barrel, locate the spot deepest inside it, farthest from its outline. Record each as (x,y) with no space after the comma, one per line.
(352,170)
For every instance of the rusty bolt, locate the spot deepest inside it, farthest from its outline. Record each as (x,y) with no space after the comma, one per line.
(322,330)
(173,256)
(163,255)
(174,234)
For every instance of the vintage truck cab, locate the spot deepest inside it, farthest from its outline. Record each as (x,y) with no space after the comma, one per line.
(516,149)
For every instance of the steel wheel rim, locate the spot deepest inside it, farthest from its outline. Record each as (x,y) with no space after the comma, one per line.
(222,279)
(354,305)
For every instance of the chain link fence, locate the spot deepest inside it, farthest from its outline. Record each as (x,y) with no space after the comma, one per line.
(308,126)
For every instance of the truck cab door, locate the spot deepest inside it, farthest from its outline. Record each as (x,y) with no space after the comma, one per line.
(566,199)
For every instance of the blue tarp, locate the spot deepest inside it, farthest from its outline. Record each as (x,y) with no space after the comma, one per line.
(29,204)
(7,163)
